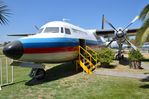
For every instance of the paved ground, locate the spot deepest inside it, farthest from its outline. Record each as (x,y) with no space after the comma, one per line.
(145,65)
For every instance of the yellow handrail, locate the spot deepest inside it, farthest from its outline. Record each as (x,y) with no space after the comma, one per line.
(91,49)
(87,53)
(88,48)
(87,60)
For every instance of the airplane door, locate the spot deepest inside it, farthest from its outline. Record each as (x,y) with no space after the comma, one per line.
(82,43)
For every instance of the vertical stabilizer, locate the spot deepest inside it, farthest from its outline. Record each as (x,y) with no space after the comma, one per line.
(102,22)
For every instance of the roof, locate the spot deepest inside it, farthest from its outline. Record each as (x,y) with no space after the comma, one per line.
(61,24)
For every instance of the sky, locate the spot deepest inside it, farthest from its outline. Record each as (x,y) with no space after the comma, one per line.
(84,13)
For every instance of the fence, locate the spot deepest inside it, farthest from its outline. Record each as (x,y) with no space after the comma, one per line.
(6,72)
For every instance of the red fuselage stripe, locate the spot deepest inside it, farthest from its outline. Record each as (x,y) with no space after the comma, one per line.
(49,50)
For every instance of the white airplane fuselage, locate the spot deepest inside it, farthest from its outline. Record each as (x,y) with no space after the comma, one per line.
(57,42)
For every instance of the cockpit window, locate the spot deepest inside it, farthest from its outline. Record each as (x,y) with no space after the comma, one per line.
(40,30)
(67,31)
(51,30)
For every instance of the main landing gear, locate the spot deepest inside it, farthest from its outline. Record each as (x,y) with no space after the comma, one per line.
(119,56)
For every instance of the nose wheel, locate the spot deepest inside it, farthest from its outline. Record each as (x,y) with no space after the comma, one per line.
(37,73)
(119,56)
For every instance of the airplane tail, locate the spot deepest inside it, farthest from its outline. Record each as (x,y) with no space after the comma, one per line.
(102,27)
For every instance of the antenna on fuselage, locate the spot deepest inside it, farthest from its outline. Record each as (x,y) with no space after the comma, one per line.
(65,19)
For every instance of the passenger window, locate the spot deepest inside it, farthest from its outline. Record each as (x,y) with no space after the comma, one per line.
(62,30)
(67,31)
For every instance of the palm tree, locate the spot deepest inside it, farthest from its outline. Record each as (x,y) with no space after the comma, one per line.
(4,13)
(143,33)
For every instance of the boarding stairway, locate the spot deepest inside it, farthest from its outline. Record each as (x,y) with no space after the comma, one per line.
(87,59)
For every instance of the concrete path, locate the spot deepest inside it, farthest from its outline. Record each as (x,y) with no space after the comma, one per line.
(145,65)
(122,74)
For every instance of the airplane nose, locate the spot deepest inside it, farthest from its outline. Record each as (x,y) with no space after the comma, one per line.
(13,50)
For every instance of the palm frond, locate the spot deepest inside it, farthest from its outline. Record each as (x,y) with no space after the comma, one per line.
(144,12)
(4,13)
(143,34)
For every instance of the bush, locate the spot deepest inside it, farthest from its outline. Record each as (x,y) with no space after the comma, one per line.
(105,56)
(135,55)
(135,58)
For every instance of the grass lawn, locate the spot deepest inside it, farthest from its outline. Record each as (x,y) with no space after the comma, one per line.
(62,82)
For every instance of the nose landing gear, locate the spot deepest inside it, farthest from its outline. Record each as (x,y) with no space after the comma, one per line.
(37,73)
(37,70)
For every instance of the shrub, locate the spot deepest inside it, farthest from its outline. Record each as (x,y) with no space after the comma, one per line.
(135,59)
(135,55)
(105,56)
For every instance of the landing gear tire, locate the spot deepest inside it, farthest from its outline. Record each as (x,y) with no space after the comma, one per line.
(118,57)
(122,57)
(37,73)
(40,74)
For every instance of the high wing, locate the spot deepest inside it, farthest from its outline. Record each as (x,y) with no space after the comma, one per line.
(19,34)
(111,32)
(131,32)
(104,32)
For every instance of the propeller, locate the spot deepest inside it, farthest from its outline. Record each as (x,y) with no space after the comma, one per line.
(136,18)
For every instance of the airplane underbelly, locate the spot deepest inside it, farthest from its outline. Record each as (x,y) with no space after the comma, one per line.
(50,57)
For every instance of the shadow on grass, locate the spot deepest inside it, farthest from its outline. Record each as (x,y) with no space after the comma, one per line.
(145,79)
(146,86)
(145,60)
(14,83)
(107,66)
(55,73)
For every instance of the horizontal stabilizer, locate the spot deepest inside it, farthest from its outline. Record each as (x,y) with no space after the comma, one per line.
(20,34)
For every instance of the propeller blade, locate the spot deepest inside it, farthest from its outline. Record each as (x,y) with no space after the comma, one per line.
(110,43)
(137,17)
(110,25)
(132,45)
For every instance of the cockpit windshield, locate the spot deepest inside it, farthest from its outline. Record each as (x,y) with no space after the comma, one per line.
(51,30)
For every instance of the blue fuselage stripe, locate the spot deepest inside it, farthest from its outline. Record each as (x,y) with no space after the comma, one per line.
(52,42)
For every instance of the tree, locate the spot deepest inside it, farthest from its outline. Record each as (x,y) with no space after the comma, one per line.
(4,13)
(143,33)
